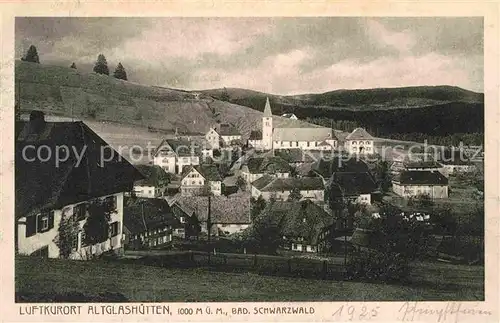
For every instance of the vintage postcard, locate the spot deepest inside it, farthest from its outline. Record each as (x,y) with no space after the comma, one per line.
(211,161)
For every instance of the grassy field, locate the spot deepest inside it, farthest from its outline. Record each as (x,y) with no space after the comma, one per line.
(140,283)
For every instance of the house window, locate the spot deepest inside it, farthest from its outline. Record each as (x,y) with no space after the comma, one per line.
(74,242)
(308,144)
(83,237)
(114,228)
(111,202)
(80,211)
(44,223)
(199,183)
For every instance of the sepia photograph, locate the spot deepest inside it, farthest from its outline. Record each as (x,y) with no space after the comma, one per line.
(249,159)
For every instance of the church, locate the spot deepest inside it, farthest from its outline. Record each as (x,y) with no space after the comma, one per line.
(283,133)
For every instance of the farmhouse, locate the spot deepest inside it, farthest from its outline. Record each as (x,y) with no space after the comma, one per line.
(359,142)
(49,191)
(414,183)
(325,168)
(228,214)
(267,186)
(154,183)
(456,161)
(353,187)
(292,136)
(148,223)
(200,180)
(173,154)
(290,116)
(256,167)
(225,135)
(303,222)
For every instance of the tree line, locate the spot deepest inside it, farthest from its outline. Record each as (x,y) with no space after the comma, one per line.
(100,67)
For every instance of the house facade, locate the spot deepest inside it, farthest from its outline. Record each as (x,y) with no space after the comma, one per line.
(256,167)
(359,142)
(224,135)
(200,180)
(352,187)
(415,183)
(154,183)
(172,155)
(148,223)
(53,192)
(310,188)
(303,222)
(228,214)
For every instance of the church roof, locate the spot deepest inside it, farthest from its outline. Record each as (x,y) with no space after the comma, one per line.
(267,109)
(359,133)
(302,134)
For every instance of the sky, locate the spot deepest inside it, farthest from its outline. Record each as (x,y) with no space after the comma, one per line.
(274,55)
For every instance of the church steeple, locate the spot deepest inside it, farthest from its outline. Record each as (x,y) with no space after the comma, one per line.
(267,109)
(267,127)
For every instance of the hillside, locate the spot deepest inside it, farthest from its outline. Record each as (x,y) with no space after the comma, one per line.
(67,92)
(357,100)
(431,110)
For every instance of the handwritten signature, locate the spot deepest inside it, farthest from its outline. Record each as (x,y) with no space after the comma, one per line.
(411,311)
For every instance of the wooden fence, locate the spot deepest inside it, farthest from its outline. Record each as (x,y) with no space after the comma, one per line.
(260,264)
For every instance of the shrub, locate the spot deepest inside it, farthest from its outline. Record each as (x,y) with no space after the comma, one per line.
(376,265)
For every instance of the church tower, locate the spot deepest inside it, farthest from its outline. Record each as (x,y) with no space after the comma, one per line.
(267,127)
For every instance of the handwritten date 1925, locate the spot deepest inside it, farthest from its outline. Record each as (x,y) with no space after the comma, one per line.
(356,313)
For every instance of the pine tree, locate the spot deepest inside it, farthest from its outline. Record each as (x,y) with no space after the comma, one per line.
(101,66)
(120,72)
(31,55)
(73,65)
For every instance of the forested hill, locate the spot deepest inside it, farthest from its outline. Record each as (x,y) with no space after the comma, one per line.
(392,112)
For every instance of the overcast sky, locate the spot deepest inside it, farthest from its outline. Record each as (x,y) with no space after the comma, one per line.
(275,55)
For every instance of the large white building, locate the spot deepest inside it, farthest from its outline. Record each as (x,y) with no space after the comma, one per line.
(359,142)
(295,135)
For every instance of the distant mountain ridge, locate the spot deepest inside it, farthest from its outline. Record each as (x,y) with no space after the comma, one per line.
(431,110)
(359,99)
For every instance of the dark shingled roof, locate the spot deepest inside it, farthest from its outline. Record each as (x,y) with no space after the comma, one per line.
(152,175)
(294,155)
(182,147)
(234,209)
(359,134)
(208,171)
(351,184)
(41,185)
(157,214)
(255,135)
(268,164)
(303,219)
(268,183)
(327,167)
(421,178)
(228,130)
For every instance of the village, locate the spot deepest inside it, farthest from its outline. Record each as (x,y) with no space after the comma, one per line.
(249,159)
(207,193)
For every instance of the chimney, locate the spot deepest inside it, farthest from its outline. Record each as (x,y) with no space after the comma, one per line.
(37,121)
